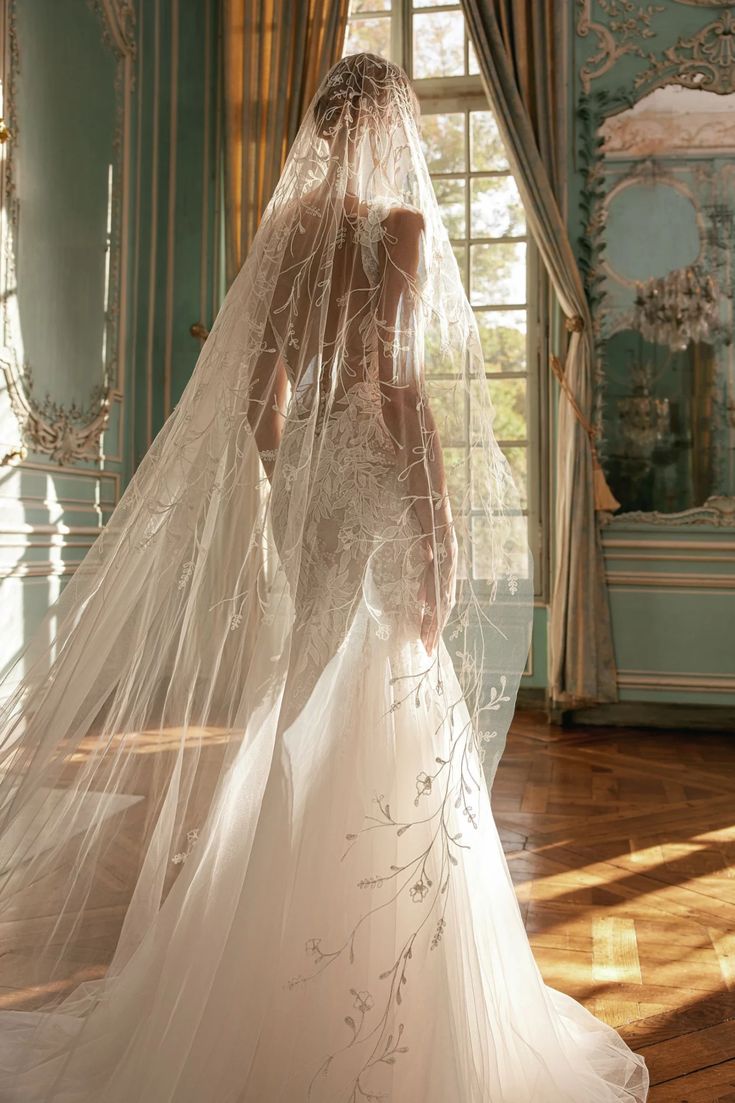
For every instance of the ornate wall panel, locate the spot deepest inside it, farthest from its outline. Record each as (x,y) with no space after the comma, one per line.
(671,574)
(66,197)
(71,436)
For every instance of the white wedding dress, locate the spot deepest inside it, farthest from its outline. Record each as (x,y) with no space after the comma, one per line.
(331,918)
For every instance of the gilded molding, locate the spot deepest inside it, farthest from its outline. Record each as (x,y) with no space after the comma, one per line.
(69,433)
(705,60)
(627,27)
(717,511)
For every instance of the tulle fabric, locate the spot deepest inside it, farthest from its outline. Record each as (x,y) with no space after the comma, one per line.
(246,848)
(266,978)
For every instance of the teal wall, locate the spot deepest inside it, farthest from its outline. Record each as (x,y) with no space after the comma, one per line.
(175,252)
(671,578)
(51,512)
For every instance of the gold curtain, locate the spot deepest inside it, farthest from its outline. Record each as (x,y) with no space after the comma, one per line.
(275,54)
(515,43)
(527,31)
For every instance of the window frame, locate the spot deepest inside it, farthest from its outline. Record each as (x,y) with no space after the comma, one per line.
(454,94)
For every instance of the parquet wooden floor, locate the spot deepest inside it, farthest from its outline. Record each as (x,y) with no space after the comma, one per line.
(621,844)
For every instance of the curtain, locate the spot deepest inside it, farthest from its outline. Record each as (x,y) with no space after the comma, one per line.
(275,54)
(514,44)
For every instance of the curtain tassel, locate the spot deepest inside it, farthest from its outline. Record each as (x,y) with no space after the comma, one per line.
(605,500)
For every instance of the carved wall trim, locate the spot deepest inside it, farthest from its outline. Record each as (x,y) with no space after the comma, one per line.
(627,28)
(703,60)
(640,175)
(706,3)
(717,511)
(68,433)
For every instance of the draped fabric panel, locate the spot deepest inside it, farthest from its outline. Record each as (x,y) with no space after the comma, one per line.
(275,54)
(514,44)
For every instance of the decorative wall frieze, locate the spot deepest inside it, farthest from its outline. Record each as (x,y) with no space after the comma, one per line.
(705,3)
(664,135)
(118,23)
(626,30)
(704,60)
(66,434)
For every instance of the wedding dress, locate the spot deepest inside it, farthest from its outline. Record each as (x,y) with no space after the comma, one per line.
(247,852)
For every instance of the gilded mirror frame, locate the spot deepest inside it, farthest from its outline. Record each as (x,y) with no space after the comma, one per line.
(70,433)
(702,60)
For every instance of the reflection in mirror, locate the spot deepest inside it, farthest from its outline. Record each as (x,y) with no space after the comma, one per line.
(666,320)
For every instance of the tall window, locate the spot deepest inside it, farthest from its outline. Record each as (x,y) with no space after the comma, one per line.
(484,217)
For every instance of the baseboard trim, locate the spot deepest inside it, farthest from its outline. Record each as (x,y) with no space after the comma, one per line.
(653,714)
(632,714)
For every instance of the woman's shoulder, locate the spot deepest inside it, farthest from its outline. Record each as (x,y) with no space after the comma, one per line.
(401,219)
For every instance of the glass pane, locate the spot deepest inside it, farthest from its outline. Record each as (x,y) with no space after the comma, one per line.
(486,149)
(448,407)
(496,209)
(517,457)
(482,554)
(357,6)
(434,362)
(503,338)
(369,35)
(474,66)
(455,467)
(508,396)
(462,532)
(482,479)
(438,44)
(450,194)
(444,142)
(498,273)
(460,252)
(433,4)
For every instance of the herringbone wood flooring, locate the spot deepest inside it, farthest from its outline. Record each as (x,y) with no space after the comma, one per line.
(621,844)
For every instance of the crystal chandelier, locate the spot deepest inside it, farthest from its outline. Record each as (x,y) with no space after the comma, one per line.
(645,421)
(678,308)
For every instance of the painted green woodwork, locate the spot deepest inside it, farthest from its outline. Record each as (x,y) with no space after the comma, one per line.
(671,580)
(64,173)
(50,514)
(175,254)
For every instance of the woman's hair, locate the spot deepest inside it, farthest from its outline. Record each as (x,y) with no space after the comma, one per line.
(362,86)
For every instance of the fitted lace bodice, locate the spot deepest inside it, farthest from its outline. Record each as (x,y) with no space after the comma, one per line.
(358,533)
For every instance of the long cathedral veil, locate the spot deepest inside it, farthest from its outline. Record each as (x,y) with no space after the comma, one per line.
(211,617)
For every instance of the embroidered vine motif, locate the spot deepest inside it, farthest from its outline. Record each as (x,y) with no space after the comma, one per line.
(192,838)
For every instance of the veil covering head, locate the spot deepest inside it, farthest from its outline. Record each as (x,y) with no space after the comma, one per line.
(259,556)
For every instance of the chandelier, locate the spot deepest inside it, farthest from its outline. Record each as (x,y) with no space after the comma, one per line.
(677,308)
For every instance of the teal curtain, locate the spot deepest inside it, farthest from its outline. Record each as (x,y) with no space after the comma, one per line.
(514,44)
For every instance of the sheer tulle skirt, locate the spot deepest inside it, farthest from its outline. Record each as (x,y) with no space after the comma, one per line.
(345,928)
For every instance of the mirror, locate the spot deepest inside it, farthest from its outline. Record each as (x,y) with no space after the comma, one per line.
(667,400)
(63,211)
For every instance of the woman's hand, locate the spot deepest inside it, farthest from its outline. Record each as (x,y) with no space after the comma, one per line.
(439,586)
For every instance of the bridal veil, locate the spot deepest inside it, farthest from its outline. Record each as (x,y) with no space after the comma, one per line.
(214,619)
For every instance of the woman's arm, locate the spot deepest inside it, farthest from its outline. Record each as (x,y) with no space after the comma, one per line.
(267,399)
(411,424)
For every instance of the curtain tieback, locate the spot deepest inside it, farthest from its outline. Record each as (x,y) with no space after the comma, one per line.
(604,497)
(574,324)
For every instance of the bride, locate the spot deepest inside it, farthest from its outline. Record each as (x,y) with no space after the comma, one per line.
(246,847)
